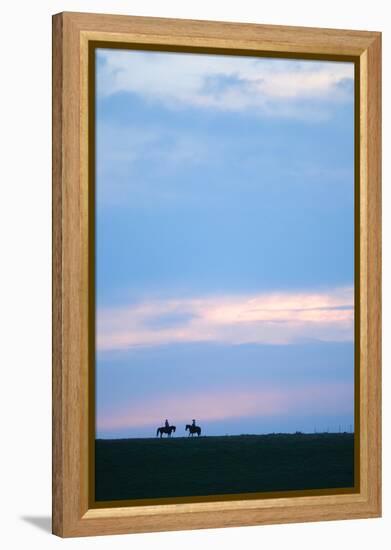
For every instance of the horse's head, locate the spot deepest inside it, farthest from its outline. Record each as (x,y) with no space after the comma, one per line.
(173,428)
(187,427)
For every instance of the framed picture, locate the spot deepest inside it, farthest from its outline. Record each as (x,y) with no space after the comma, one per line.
(216,274)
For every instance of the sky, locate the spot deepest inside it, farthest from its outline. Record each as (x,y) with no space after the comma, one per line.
(224,244)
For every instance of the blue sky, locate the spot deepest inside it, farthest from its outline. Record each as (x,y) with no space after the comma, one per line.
(224,243)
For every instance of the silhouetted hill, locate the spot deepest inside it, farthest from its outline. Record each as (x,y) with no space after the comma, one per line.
(182,466)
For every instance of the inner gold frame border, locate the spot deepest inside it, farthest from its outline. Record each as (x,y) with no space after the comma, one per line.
(93,46)
(75,36)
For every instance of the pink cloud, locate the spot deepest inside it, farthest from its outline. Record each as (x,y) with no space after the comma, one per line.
(229,404)
(267,318)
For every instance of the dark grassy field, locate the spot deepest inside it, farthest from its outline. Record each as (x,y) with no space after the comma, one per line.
(181,466)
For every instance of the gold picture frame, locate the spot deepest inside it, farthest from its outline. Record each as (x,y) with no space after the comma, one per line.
(75,35)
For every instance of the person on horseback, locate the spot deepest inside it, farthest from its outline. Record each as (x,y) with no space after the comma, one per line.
(193,423)
(166,424)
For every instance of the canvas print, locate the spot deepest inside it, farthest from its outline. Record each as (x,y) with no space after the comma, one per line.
(224,276)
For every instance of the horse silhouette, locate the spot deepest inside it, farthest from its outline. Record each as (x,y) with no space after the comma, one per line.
(193,430)
(165,430)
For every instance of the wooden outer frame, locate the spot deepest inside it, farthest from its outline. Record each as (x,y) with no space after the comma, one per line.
(71,35)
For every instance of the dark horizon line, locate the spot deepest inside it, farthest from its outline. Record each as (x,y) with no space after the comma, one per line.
(229,435)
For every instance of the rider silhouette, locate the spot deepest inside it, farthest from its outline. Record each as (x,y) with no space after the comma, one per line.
(193,422)
(167,425)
